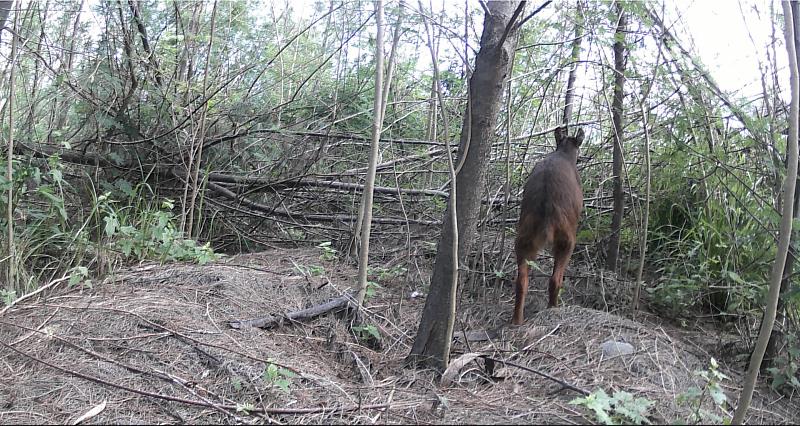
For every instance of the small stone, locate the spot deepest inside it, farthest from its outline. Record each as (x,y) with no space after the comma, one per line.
(611,348)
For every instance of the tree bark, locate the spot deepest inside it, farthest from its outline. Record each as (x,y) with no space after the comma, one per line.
(11,286)
(355,244)
(574,57)
(770,309)
(366,199)
(196,154)
(776,337)
(617,117)
(431,345)
(5,9)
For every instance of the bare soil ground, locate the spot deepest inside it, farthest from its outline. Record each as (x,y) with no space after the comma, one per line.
(152,344)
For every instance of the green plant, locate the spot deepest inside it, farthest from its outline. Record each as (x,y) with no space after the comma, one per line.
(328,252)
(245,408)
(295,234)
(695,396)
(149,233)
(622,408)
(79,274)
(535,266)
(367,332)
(310,270)
(389,273)
(7,296)
(785,372)
(707,236)
(279,377)
(371,289)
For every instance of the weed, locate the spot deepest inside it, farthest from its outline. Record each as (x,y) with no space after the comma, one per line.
(328,252)
(620,408)
(279,377)
(695,396)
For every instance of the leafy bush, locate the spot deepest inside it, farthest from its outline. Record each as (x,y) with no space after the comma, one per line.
(695,396)
(711,243)
(149,233)
(621,408)
(785,373)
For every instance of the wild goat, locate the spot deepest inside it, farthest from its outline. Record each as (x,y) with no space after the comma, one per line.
(551,206)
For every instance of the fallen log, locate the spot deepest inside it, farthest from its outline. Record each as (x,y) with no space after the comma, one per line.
(269,321)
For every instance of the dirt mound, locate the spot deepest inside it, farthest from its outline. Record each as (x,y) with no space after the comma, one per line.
(152,345)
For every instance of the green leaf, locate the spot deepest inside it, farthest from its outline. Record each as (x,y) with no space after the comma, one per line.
(125,187)
(598,402)
(116,158)
(634,409)
(244,408)
(717,394)
(111,225)
(57,175)
(738,280)
(77,274)
(287,373)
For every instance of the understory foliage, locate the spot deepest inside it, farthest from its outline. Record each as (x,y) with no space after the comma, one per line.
(174,131)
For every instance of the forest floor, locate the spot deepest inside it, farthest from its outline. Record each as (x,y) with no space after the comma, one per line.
(152,344)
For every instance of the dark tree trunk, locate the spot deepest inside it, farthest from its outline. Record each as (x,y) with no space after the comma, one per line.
(431,345)
(616,116)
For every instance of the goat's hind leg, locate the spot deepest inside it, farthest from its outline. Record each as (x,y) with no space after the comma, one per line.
(526,251)
(562,251)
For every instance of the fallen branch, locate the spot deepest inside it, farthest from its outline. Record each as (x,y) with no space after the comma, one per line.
(317,183)
(268,321)
(34,293)
(541,373)
(276,211)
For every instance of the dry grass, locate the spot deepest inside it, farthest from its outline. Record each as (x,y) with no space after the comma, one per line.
(153,344)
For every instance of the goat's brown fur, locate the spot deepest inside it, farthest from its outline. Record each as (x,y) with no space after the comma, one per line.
(551,206)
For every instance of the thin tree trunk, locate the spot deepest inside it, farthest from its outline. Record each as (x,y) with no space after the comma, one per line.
(785,230)
(357,230)
(398,29)
(451,213)
(574,57)
(617,117)
(366,203)
(10,171)
(152,61)
(430,129)
(196,154)
(184,74)
(646,215)
(63,106)
(432,342)
(776,337)
(5,9)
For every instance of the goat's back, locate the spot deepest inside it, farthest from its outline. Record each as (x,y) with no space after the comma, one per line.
(552,200)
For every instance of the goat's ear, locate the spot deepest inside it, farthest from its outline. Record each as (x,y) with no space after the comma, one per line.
(579,137)
(560,133)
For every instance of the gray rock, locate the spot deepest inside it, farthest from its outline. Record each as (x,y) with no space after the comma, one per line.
(612,348)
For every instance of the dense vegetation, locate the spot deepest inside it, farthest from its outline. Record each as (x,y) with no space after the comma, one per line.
(178,131)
